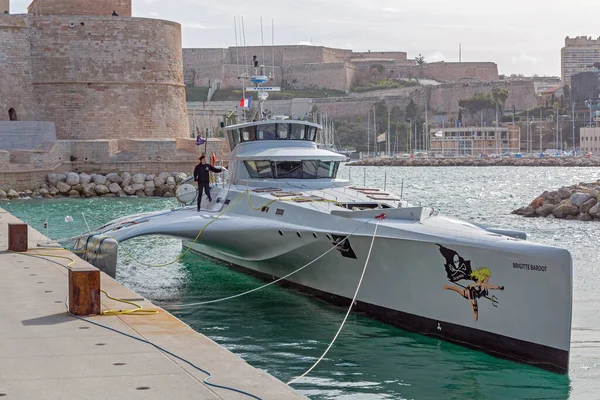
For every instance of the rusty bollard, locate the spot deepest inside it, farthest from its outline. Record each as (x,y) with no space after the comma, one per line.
(17,237)
(84,291)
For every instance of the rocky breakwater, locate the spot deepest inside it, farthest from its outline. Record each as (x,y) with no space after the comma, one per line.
(478,162)
(111,185)
(580,202)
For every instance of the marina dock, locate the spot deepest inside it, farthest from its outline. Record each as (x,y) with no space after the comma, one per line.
(47,353)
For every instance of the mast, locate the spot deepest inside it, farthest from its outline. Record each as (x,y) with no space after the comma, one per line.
(368,132)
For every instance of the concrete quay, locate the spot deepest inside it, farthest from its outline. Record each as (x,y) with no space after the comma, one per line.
(45,353)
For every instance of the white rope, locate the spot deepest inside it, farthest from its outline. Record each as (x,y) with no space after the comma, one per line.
(277,280)
(349,308)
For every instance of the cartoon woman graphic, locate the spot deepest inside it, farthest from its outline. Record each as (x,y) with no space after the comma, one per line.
(476,290)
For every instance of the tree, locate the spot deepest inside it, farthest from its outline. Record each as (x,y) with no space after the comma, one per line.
(500,95)
(477,104)
(420,62)
(411,110)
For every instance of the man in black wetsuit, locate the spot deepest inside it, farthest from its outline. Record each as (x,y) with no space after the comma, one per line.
(202,177)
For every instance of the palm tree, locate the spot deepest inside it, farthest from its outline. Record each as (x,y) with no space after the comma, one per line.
(420,62)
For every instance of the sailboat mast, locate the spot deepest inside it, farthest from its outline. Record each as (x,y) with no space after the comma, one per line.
(368,132)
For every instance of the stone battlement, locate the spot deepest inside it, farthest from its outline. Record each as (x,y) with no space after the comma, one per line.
(79,7)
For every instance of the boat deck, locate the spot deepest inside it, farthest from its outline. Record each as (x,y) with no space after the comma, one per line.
(46,353)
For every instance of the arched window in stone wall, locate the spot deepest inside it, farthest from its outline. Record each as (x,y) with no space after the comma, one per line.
(12,114)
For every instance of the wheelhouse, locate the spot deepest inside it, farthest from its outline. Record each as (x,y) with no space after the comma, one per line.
(272,130)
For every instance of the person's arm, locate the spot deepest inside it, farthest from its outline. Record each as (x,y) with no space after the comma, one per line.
(215,170)
(196,174)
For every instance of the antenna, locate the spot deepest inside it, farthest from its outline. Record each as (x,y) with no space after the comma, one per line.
(237,50)
(273,45)
(262,42)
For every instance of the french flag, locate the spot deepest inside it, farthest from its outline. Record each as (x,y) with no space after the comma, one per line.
(246,103)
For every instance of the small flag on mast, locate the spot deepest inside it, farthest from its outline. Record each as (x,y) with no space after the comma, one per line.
(246,103)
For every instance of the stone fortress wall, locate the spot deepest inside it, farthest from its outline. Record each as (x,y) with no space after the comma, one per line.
(4,6)
(317,67)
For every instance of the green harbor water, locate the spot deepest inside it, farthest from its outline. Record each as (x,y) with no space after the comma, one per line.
(284,332)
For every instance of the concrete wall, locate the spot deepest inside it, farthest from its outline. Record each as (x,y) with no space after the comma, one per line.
(107,77)
(16,90)
(26,134)
(80,7)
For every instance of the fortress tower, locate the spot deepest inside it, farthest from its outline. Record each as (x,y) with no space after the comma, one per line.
(95,75)
(4,6)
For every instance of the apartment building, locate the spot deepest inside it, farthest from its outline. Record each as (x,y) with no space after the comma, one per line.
(579,55)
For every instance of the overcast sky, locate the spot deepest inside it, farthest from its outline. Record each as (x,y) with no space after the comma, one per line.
(521,36)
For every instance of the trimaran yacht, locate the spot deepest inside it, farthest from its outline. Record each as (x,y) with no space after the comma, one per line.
(283,206)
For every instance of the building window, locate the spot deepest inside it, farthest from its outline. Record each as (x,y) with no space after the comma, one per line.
(12,114)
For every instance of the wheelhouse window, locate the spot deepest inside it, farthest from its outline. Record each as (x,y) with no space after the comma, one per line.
(248,133)
(297,132)
(283,131)
(259,169)
(311,133)
(288,170)
(266,132)
(306,169)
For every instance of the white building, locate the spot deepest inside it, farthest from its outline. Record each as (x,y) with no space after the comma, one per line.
(590,140)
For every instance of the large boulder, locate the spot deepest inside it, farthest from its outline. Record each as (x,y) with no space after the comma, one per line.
(114,178)
(138,186)
(2,195)
(529,212)
(164,176)
(585,217)
(585,207)
(171,182)
(43,192)
(140,193)
(62,177)
(52,179)
(84,178)
(565,210)
(578,199)
(149,191)
(537,203)
(53,191)
(98,179)
(180,177)
(545,210)
(150,177)
(595,211)
(564,193)
(114,187)
(129,190)
(149,185)
(158,182)
(74,193)
(63,187)
(12,194)
(72,179)
(101,189)
(126,179)
(139,178)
